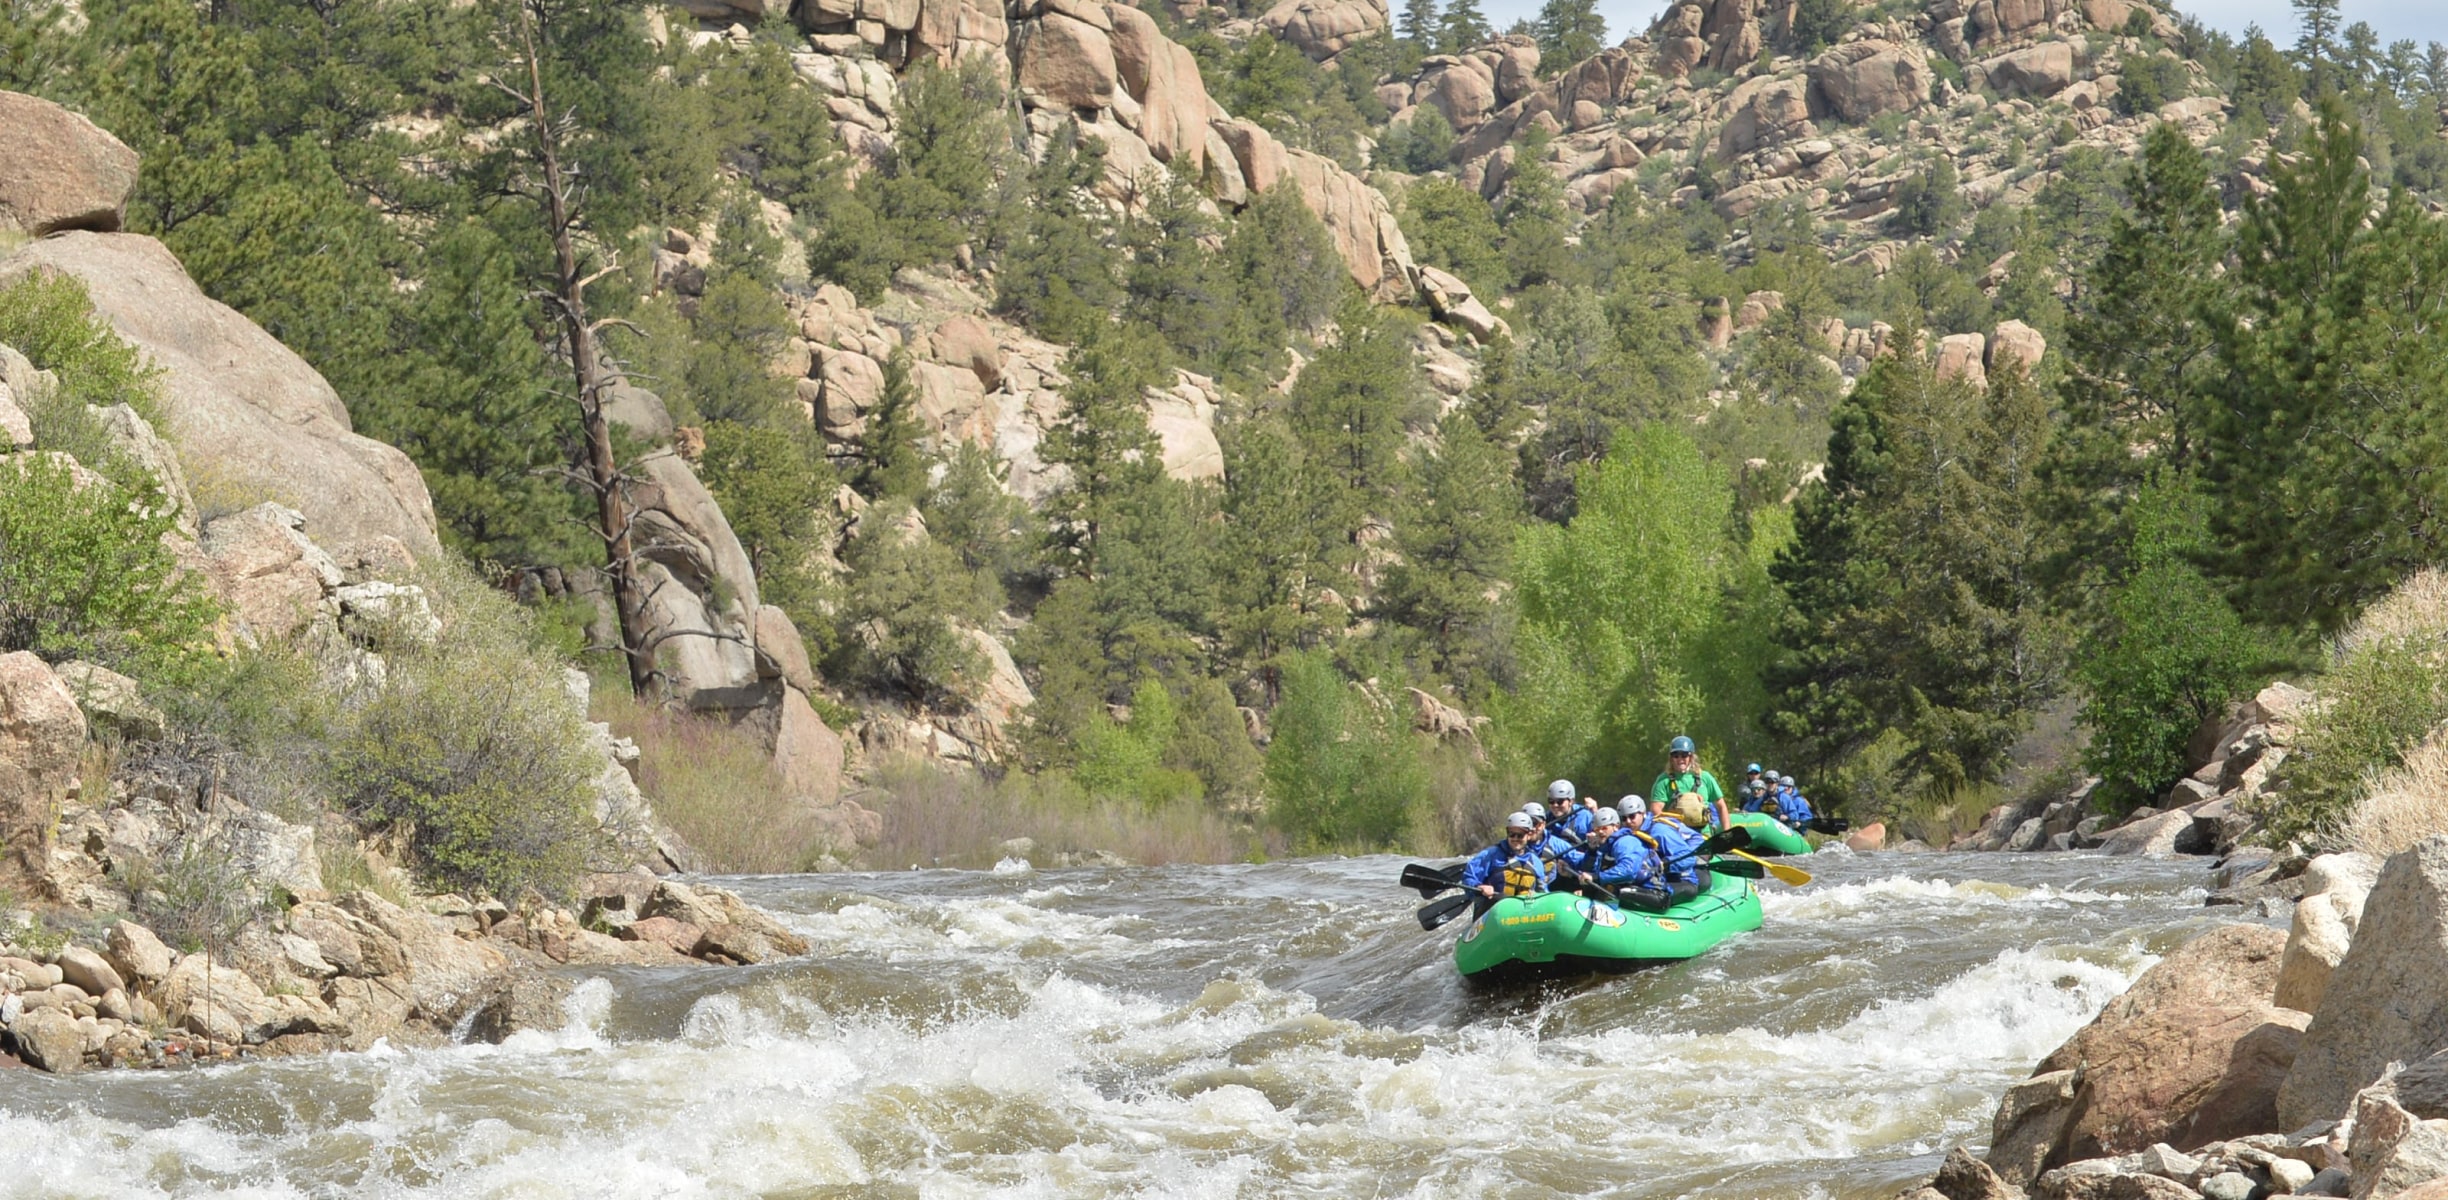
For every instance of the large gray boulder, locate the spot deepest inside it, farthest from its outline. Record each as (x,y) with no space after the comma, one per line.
(2335,888)
(2383,1003)
(1860,80)
(61,171)
(2193,1053)
(245,411)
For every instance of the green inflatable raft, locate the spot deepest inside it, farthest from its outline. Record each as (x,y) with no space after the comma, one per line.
(1558,933)
(1769,835)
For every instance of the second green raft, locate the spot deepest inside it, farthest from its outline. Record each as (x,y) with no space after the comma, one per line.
(1769,835)
(1560,933)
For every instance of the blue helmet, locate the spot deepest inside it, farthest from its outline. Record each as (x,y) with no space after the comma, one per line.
(1753,769)
(1681,745)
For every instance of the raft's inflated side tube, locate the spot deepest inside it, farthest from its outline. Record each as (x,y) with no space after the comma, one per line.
(1559,933)
(1769,835)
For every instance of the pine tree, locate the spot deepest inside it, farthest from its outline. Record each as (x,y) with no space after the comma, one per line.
(1462,28)
(1419,22)
(1456,543)
(2320,450)
(1103,440)
(1534,221)
(2136,352)
(1915,605)
(1060,271)
(1280,544)
(1351,405)
(889,458)
(1569,31)
(2317,46)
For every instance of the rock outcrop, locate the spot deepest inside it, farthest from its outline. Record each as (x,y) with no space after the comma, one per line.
(2194,1052)
(245,411)
(2372,1012)
(42,740)
(1325,28)
(63,171)
(1860,80)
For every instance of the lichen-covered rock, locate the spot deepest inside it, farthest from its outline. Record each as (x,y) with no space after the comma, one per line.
(1860,80)
(1325,28)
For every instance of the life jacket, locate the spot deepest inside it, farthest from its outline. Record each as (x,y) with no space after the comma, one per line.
(1522,877)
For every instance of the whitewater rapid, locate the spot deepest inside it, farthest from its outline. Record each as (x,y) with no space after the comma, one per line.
(1280,1030)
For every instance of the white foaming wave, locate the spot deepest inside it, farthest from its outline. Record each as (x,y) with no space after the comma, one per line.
(897,932)
(1847,899)
(1012,867)
(1876,1082)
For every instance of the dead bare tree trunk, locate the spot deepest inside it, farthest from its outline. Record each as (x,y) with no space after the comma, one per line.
(601,472)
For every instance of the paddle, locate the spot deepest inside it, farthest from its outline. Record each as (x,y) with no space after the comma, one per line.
(1442,911)
(1428,881)
(1785,874)
(1737,868)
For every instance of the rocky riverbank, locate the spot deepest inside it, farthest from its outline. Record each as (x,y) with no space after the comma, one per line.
(341,974)
(2252,1063)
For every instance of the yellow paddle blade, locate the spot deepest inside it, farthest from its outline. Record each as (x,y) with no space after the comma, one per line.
(1795,876)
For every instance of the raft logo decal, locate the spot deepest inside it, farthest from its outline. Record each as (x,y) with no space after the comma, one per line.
(1669,925)
(1601,915)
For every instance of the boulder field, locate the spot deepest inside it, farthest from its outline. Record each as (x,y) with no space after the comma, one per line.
(2203,1080)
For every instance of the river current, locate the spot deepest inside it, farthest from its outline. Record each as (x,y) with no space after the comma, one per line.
(1277,1030)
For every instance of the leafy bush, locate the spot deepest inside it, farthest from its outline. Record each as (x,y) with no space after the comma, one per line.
(1342,770)
(2150,81)
(470,750)
(1125,759)
(49,319)
(2385,693)
(2173,654)
(84,573)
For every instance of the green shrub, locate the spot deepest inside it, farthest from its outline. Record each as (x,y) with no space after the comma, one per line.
(470,751)
(2172,655)
(84,573)
(49,319)
(1126,759)
(1342,771)
(2386,691)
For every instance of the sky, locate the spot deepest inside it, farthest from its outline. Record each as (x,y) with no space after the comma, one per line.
(2420,20)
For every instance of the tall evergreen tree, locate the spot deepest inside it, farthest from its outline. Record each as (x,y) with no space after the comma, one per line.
(1351,407)
(1282,541)
(1103,440)
(1568,31)
(1419,22)
(1915,600)
(1456,542)
(1463,27)
(2321,445)
(2137,349)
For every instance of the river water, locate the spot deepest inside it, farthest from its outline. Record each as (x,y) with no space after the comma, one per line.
(1278,1030)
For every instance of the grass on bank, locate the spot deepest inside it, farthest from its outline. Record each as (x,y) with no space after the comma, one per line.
(2370,764)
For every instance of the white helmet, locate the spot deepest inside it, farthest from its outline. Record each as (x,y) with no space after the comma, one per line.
(1608,816)
(1535,809)
(1562,789)
(1519,820)
(1771,776)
